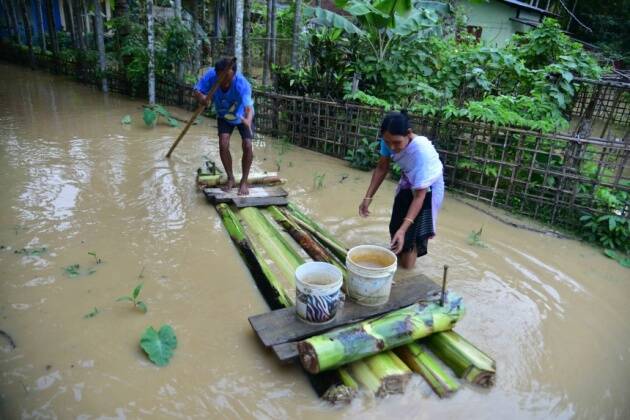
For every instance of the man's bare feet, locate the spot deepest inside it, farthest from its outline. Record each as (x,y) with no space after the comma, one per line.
(228,185)
(243,189)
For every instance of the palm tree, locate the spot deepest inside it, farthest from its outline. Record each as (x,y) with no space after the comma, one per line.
(297,28)
(151,49)
(100,43)
(238,34)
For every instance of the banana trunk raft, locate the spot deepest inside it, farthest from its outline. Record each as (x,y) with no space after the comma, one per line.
(357,358)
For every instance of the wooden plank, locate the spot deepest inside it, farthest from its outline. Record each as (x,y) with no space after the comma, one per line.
(217,195)
(286,352)
(245,201)
(283,325)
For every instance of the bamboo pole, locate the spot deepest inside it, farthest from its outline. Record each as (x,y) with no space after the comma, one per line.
(199,110)
(264,276)
(466,360)
(420,361)
(356,341)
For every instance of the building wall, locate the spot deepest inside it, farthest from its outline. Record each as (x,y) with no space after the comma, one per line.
(494,17)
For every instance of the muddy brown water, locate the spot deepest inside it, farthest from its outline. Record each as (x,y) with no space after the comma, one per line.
(553,313)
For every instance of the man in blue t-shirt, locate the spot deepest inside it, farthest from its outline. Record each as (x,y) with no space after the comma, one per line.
(235,108)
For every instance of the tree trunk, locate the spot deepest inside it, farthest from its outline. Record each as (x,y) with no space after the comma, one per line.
(121,8)
(466,360)
(27,30)
(73,33)
(267,56)
(52,28)
(14,20)
(262,273)
(151,50)
(247,28)
(238,34)
(423,363)
(178,17)
(40,21)
(84,28)
(100,43)
(356,341)
(274,9)
(297,29)
(197,49)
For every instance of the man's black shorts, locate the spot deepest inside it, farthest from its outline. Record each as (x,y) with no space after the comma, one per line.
(227,128)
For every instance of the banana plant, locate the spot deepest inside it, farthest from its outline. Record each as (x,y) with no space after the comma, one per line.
(381,23)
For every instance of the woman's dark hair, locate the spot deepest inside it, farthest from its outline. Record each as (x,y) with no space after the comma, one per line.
(225,63)
(396,123)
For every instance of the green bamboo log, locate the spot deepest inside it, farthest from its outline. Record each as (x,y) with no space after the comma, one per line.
(276,246)
(420,361)
(466,360)
(325,237)
(306,241)
(264,276)
(353,342)
(312,248)
(392,374)
(345,392)
(364,376)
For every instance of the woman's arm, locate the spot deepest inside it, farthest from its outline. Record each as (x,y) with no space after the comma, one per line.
(416,205)
(379,174)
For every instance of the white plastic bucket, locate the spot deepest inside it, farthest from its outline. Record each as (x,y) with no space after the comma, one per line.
(318,291)
(371,269)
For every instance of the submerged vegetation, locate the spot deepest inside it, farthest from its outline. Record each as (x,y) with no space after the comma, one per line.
(134,299)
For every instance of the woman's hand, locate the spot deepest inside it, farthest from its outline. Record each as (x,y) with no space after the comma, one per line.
(398,241)
(363,208)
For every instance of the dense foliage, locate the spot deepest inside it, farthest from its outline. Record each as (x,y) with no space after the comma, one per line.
(402,62)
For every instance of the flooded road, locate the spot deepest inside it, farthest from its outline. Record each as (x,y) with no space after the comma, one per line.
(74,180)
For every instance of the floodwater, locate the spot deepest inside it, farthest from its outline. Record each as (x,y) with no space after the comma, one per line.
(552,312)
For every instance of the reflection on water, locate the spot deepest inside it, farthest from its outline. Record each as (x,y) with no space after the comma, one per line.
(74,180)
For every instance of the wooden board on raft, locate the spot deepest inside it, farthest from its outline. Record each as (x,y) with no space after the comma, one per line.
(258,196)
(281,329)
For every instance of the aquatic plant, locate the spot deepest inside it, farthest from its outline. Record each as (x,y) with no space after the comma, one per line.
(97,259)
(474,238)
(72,270)
(126,119)
(318,180)
(133,298)
(159,345)
(364,156)
(152,113)
(92,313)
(31,251)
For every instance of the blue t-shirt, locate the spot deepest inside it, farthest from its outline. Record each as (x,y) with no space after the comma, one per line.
(385,150)
(229,105)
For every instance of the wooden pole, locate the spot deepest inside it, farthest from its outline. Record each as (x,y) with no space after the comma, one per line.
(198,111)
(443,285)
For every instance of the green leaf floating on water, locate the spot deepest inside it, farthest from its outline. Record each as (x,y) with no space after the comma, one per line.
(126,119)
(159,346)
(149,117)
(172,122)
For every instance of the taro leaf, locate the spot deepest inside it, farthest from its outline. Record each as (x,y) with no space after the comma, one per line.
(625,262)
(611,254)
(72,270)
(172,122)
(143,307)
(124,299)
(159,346)
(149,117)
(136,291)
(91,314)
(161,110)
(126,119)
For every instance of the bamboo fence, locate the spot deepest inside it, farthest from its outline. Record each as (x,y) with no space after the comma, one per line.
(551,177)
